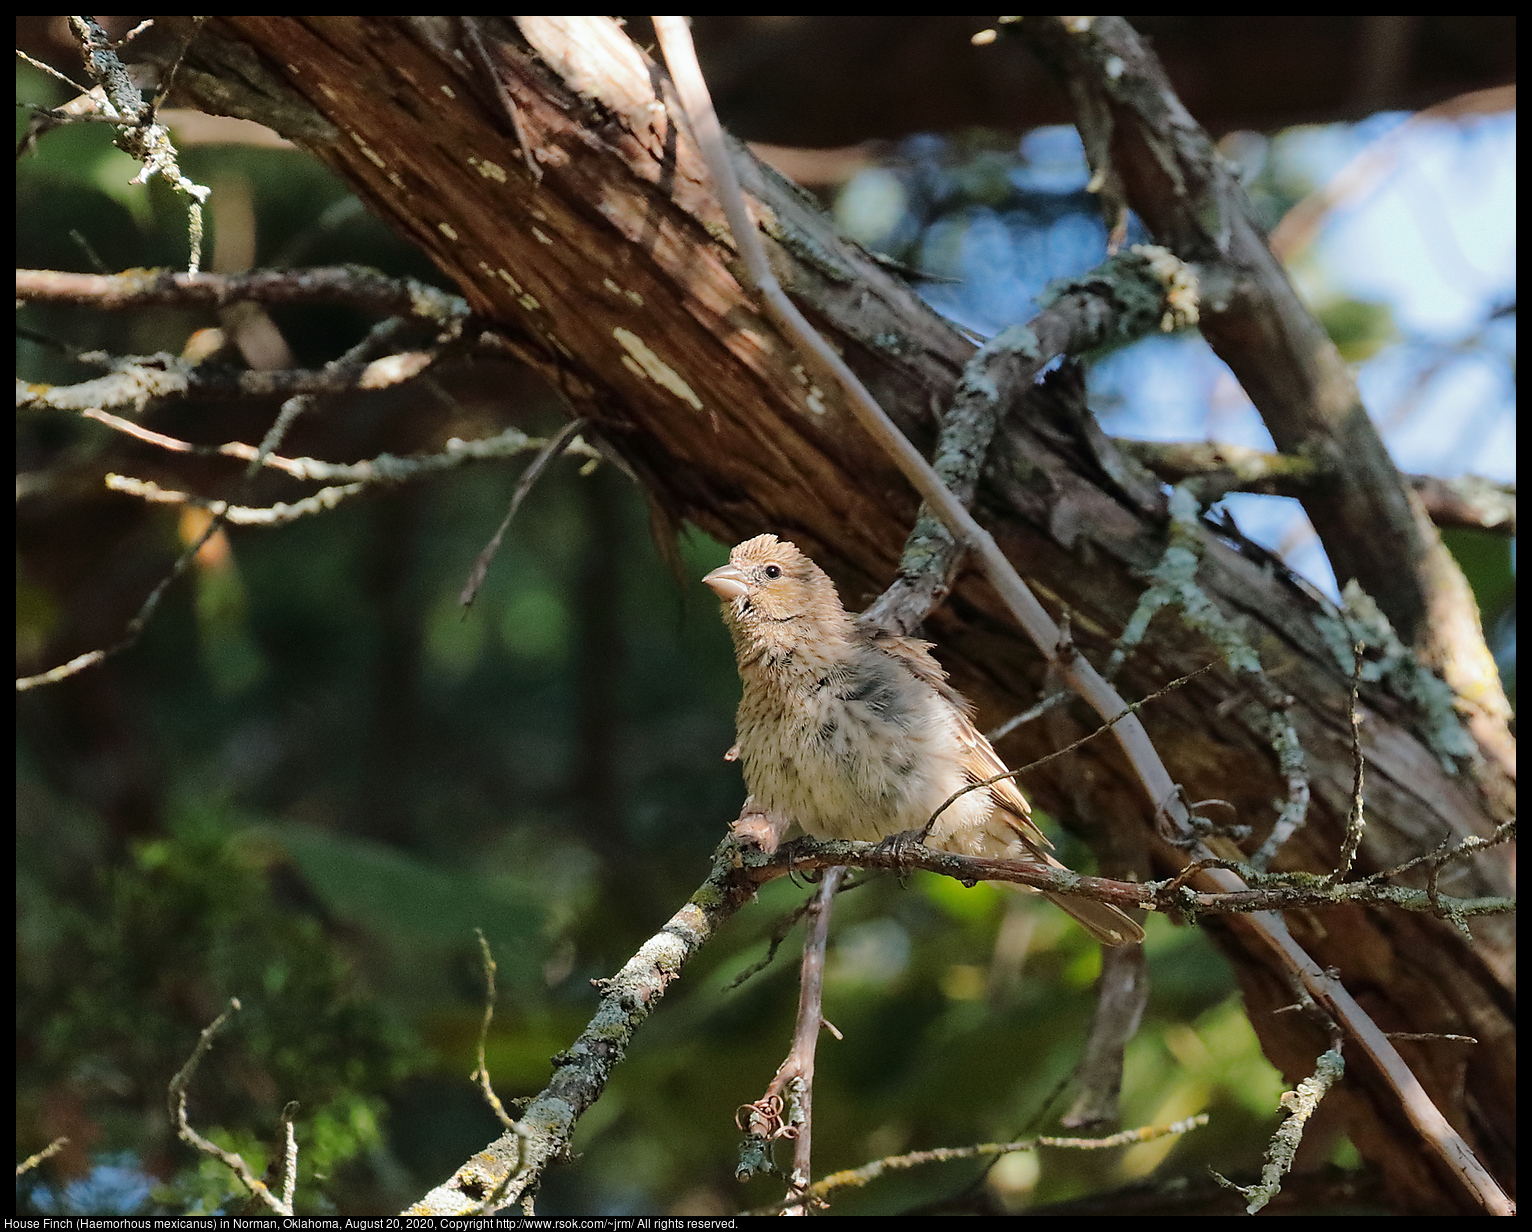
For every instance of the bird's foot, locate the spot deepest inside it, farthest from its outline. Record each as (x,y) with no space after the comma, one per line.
(762,827)
(902,846)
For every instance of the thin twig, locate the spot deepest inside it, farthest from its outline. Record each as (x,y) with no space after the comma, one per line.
(353,286)
(170,75)
(385,468)
(53,72)
(379,336)
(1030,714)
(1446,851)
(279,514)
(1356,822)
(177,1096)
(1301,1104)
(797,1071)
(860,1177)
(289,1153)
(1068,748)
(779,931)
(508,105)
(48,1152)
(481,1071)
(529,477)
(135,627)
(806,1034)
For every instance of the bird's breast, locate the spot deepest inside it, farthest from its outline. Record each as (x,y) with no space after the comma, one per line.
(860,751)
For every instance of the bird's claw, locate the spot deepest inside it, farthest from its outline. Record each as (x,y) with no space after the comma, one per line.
(902,846)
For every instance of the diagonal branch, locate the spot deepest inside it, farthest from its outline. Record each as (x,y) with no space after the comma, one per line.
(514,1164)
(1149,153)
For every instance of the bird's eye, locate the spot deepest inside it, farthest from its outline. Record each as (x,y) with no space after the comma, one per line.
(773,571)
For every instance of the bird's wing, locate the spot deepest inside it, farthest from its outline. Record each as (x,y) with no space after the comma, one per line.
(916,656)
(980,761)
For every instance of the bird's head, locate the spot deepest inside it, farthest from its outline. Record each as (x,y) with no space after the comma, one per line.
(771,589)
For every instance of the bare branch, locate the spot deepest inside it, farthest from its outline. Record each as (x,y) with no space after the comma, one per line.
(550,450)
(1211,470)
(289,1153)
(793,1083)
(857,1178)
(351,285)
(1128,296)
(47,1153)
(481,1071)
(177,1094)
(385,468)
(165,378)
(379,336)
(1301,1104)
(581,1073)
(1356,823)
(146,141)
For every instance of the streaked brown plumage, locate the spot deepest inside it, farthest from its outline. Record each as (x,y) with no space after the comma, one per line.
(858,735)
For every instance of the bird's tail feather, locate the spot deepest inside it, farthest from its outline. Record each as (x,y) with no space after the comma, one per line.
(1101,920)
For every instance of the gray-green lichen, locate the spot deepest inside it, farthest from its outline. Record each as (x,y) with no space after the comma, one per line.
(1174,584)
(1151,289)
(1388,660)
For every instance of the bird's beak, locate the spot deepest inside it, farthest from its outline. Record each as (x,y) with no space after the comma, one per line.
(727,582)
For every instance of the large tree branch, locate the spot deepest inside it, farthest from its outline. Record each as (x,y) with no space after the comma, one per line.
(1148,153)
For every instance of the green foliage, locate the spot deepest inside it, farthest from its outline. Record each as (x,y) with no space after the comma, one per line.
(120,970)
(1488,562)
(1358,328)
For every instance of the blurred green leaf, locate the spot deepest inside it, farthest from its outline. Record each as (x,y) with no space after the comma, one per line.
(1358,328)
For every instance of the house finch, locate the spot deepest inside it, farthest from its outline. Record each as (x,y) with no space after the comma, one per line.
(856,734)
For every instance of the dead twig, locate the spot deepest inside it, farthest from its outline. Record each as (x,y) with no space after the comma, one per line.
(230,1160)
(858,1178)
(793,1084)
(555,446)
